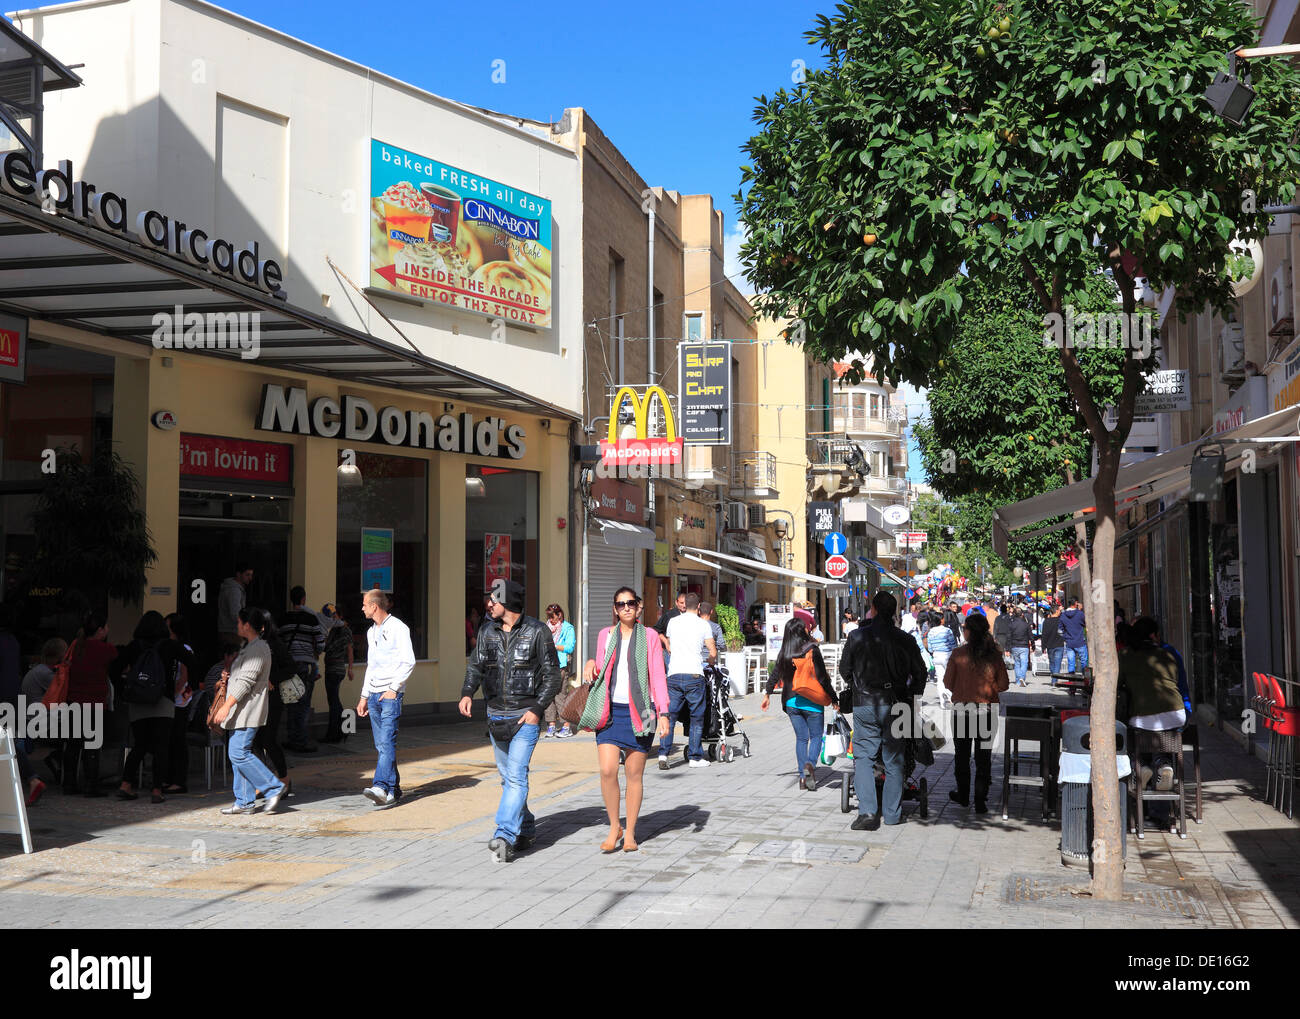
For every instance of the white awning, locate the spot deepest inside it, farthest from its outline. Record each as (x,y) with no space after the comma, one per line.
(624,535)
(1148,479)
(704,555)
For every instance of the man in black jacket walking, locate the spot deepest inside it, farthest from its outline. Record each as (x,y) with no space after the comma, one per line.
(886,670)
(515,663)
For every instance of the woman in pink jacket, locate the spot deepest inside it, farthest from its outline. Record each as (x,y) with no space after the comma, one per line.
(628,709)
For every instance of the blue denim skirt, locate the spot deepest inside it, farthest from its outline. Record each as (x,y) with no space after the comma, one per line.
(619,731)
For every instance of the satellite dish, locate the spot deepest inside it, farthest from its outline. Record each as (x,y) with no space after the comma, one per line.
(1243,282)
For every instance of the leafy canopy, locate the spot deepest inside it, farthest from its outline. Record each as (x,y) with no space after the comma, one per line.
(1004,138)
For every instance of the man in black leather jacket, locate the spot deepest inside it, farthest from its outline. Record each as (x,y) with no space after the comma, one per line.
(515,663)
(885,667)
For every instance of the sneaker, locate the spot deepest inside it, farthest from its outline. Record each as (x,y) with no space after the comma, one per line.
(1144,775)
(235,808)
(961,801)
(700,763)
(524,842)
(550,731)
(501,850)
(375,795)
(866,822)
(981,807)
(1165,778)
(810,778)
(564,733)
(663,763)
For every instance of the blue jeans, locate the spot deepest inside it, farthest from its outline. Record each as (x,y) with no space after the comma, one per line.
(514,819)
(872,735)
(1078,658)
(807,735)
(1020,655)
(249,771)
(1054,657)
(690,690)
(383,727)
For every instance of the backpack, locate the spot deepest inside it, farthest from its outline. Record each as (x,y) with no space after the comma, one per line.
(146,680)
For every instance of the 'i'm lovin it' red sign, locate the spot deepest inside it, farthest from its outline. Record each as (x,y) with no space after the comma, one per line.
(213,456)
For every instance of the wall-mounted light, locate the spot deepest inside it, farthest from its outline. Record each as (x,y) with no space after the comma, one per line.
(475,488)
(349,473)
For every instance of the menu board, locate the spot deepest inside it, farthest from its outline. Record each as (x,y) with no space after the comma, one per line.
(452,237)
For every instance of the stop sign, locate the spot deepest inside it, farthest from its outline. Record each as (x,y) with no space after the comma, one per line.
(837,567)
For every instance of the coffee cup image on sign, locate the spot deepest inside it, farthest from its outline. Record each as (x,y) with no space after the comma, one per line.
(444,206)
(407,215)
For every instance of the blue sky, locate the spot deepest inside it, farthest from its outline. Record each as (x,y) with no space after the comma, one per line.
(672,84)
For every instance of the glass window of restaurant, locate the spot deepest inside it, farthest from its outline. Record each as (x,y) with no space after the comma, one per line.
(383,541)
(65,403)
(500,538)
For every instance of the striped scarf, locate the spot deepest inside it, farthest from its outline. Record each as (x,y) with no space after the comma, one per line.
(639,689)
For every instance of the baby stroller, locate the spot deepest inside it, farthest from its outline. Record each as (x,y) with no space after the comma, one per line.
(723,736)
(914,750)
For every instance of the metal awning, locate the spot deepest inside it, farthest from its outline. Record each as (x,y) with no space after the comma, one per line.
(621,534)
(60,270)
(703,555)
(1143,481)
(892,578)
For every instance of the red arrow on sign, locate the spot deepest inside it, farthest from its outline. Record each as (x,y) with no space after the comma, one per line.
(837,567)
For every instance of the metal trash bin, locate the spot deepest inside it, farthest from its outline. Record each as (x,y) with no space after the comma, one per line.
(1076,790)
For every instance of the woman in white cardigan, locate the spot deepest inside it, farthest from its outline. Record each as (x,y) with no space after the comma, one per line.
(244,712)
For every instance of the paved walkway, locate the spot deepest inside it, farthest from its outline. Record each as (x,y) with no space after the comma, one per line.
(731,845)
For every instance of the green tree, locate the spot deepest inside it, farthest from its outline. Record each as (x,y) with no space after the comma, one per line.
(90,530)
(1012,139)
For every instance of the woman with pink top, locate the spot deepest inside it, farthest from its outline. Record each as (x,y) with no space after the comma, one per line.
(627,709)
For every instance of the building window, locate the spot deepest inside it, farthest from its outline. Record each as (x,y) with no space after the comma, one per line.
(694,325)
(501,535)
(383,541)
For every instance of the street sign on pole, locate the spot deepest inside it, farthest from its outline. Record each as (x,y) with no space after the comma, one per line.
(835,543)
(837,567)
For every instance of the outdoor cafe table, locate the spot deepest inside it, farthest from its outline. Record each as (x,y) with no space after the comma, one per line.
(1043,704)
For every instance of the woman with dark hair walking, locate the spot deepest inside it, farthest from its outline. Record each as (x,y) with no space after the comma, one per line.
(151,649)
(627,709)
(243,712)
(976,674)
(179,764)
(799,664)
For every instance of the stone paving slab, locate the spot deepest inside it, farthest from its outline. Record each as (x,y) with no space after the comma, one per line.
(731,845)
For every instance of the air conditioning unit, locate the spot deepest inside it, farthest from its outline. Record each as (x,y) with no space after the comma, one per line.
(1281,302)
(1232,353)
(737,516)
(757,515)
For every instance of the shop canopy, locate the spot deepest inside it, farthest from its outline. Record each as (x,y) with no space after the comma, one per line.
(729,564)
(622,534)
(1154,478)
(62,271)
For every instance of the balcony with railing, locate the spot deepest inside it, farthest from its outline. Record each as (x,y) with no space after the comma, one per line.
(753,475)
(867,425)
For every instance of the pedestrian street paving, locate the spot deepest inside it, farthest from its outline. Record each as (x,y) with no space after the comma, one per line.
(734,845)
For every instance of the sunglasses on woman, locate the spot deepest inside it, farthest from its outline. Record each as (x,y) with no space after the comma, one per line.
(627,604)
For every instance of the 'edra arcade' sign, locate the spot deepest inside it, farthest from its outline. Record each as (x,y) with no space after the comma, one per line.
(355,419)
(59,192)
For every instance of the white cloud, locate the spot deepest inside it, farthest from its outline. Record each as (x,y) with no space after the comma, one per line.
(731,264)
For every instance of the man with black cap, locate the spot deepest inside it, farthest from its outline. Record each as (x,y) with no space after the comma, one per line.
(515,663)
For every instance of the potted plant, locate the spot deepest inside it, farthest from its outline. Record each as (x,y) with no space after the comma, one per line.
(733,658)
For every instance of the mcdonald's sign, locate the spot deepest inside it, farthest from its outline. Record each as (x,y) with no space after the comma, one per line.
(641,450)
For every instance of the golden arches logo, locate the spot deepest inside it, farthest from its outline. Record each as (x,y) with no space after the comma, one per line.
(641,412)
(643,449)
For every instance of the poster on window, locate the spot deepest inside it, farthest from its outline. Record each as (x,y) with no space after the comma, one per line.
(496,559)
(376,558)
(454,238)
